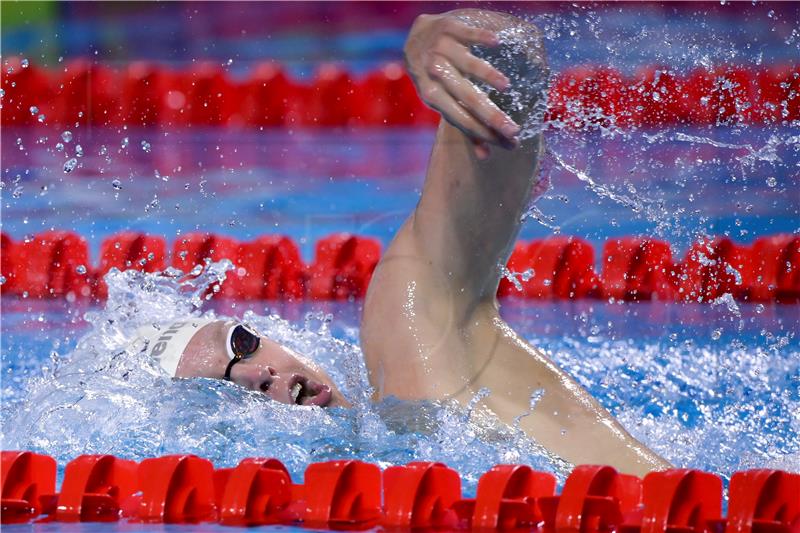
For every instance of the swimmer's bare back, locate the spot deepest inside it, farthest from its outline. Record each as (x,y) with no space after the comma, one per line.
(431,327)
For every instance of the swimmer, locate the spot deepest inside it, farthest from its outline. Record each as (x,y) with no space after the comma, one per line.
(431,329)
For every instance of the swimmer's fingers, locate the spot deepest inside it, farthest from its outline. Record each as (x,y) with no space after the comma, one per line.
(439,99)
(467,34)
(477,68)
(473,100)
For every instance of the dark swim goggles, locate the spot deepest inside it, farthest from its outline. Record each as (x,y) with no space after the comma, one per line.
(242,342)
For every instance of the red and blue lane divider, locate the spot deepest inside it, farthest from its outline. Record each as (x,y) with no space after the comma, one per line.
(147,94)
(203,94)
(57,264)
(642,268)
(351,494)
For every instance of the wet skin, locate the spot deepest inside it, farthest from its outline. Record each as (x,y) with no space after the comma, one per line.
(272,369)
(436,284)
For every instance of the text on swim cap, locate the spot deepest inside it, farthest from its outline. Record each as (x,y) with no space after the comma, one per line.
(161,343)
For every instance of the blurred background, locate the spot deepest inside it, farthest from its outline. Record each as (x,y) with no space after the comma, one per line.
(303,90)
(364,34)
(288,138)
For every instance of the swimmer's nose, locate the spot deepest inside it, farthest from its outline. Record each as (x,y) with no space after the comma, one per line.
(254,377)
(268,378)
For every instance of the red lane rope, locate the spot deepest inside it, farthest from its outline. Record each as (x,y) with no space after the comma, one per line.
(57,264)
(351,494)
(148,94)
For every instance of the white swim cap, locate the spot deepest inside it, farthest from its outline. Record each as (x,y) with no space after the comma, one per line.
(166,343)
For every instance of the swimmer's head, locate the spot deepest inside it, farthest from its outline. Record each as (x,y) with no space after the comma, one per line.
(231,350)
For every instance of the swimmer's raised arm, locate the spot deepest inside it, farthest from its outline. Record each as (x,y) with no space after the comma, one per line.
(431,327)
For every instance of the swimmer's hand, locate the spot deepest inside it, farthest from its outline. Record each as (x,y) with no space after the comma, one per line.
(438,57)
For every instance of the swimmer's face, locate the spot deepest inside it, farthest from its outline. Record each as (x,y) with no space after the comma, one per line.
(272,369)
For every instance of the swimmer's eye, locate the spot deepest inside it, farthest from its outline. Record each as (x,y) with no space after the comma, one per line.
(241,343)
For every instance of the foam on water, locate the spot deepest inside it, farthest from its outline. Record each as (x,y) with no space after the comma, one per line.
(722,407)
(107,397)
(719,405)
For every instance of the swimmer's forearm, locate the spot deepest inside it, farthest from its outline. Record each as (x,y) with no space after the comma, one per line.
(470,211)
(565,417)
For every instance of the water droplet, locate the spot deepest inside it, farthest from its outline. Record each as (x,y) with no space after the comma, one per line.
(2,279)
(79,150)
(80,269)
(716,334)
(2,93)
(146,146)
(24,63)
(59,147)
(41,118)
(33,109)
(66,136)
(760,308)
(125,143)
(151,205)
(117,185)
(70,165)
(103,150)
(771,181)
(17,192)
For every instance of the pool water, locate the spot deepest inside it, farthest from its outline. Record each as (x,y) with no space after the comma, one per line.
(709,386)
(676,184)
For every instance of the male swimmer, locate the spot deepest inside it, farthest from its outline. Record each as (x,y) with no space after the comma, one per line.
(431,327)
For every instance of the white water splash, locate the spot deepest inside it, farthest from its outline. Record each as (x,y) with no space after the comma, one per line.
(106,396)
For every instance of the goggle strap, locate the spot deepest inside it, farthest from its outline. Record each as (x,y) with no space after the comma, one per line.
(230,367)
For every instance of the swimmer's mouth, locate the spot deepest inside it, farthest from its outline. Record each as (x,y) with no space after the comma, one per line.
(303,391)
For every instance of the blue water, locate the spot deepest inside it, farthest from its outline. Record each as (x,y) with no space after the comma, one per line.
(714,387)
(308,184)
(684,378)
(721,405)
